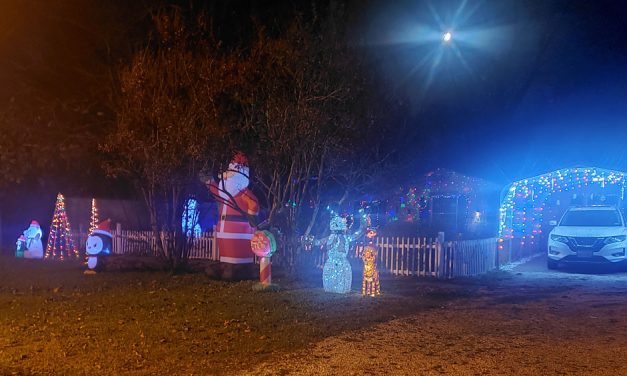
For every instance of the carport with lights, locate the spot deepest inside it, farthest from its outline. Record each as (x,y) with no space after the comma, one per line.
(529,206)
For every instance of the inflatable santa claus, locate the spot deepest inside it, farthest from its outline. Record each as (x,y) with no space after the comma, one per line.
(236,205)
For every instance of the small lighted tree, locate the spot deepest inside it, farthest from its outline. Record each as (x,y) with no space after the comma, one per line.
(94,220)
(60,244)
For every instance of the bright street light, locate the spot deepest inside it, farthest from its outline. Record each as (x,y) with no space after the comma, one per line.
(447,36)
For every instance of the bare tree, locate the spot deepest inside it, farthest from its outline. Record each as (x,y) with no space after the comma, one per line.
(307,121)
(167,122)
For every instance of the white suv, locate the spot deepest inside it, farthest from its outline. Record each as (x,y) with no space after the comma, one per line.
(591,234)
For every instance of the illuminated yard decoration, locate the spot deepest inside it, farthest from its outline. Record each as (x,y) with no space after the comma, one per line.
(34,247)
(20,246)
(94,219)
(444,200)
(60,244)
(98,246)
(529,204)
(236,205)
(370,284)
(263,244)
(337,275)
(189,221)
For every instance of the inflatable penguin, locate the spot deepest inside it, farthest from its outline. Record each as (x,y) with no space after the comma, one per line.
(99,245)
(20,246)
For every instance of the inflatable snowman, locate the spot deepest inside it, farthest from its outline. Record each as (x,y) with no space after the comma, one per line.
(34,246)
(337,275)
(99,245)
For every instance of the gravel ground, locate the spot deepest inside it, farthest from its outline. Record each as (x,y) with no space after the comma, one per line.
(533,322)
(526,321)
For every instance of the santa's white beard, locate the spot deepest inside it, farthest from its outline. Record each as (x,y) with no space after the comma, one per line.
(234,184)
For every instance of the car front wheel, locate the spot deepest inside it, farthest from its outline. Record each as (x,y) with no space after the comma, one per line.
(551,264)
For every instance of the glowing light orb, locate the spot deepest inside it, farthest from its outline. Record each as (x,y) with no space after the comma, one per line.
(447,37)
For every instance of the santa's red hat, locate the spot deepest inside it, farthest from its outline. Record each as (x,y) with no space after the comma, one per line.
(239,163)
(103,228)
(34,223)
(240,158)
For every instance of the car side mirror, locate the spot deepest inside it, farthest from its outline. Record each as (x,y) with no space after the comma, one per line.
(553,222)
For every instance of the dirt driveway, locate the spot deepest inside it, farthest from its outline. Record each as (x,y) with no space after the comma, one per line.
(531,322)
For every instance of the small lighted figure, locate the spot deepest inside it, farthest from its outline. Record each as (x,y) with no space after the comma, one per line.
(370,284)
(20,246)
(98,246)
(307,241)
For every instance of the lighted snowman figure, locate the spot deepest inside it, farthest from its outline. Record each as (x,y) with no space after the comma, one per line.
(337,275)
(98,246)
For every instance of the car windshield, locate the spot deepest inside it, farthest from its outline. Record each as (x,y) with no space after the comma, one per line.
(601,218)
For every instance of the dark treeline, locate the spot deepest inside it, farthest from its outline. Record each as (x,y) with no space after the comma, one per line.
(108,99)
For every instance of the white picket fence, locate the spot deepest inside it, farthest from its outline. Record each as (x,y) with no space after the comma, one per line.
(406,256)
(472,257)
(421,257)
(427,257)
(143,243)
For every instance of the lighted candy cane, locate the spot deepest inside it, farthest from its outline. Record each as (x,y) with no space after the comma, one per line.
(263,245)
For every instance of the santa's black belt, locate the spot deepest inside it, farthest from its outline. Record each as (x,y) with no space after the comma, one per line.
(234,218)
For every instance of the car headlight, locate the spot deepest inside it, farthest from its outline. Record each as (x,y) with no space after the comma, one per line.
(615,239)
(559,238)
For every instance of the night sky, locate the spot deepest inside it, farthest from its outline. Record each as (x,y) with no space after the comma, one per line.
(525,87)
(542,84)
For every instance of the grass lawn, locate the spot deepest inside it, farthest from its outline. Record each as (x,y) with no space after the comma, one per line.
(55,320)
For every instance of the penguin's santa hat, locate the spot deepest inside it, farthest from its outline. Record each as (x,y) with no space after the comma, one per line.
(103,228)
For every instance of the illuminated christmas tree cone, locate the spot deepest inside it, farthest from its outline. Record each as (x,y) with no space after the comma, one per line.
(263,244)
(60,243)
(94,220)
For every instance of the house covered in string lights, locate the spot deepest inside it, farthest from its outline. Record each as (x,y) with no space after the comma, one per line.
(529,206)
(445,201)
